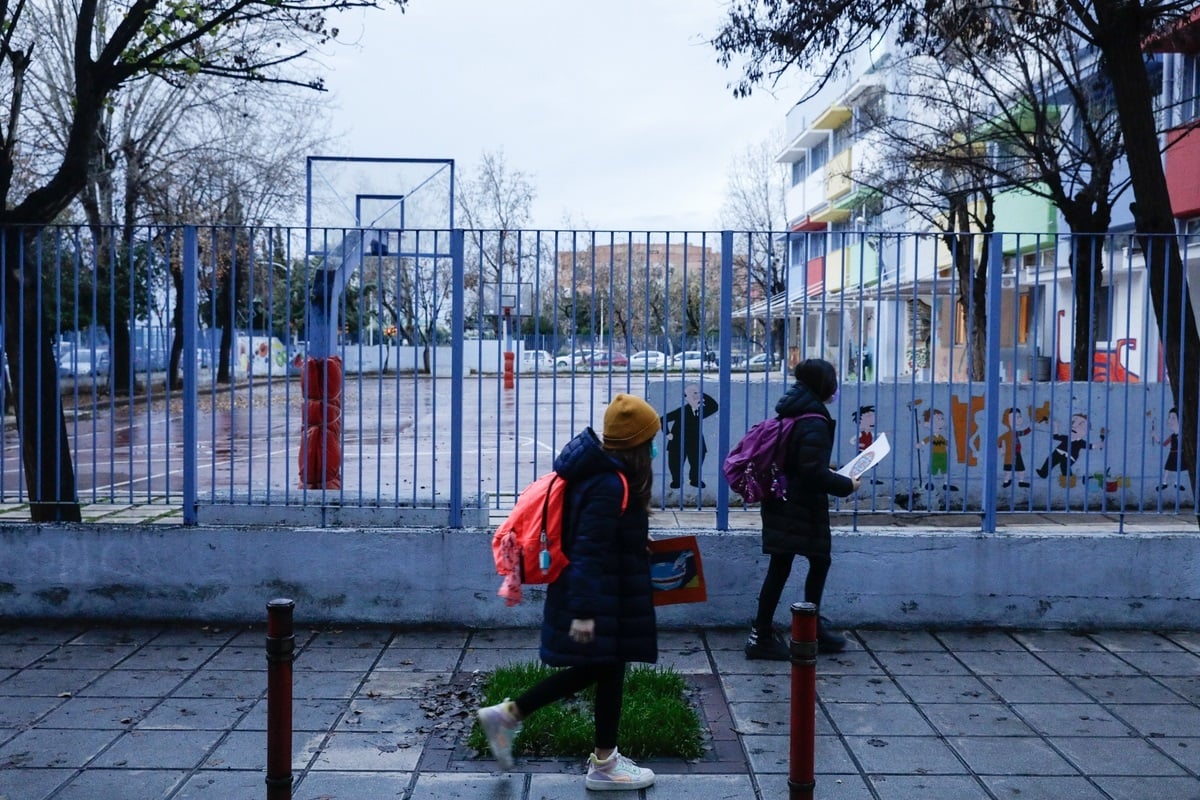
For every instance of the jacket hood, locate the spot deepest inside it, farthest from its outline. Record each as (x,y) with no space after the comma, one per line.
(800,400)
(583,457)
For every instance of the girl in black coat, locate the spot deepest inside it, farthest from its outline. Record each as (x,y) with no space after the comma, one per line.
(799,524)
(599,614)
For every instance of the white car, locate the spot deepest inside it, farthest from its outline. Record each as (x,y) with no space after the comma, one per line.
(762,363)
(536,360)
(80,362)
(688,359)
(578,358)
(648,360)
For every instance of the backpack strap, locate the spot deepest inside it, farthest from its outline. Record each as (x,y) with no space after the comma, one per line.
(624,491)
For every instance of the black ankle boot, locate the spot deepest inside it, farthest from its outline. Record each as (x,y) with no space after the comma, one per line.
(763,644)
(829,640)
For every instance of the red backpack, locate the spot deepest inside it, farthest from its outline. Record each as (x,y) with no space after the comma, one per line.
(527,547)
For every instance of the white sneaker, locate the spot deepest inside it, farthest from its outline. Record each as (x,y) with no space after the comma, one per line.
(616,773)
(501,729)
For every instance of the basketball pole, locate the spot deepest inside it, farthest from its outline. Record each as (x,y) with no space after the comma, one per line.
(509,356)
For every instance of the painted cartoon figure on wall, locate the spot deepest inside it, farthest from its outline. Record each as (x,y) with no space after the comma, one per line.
(937,439)
(1009,444)
(1068,447)
(1170,469)
(685,441)
(865,437)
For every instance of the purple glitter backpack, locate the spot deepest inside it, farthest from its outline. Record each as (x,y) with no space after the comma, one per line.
(754,466)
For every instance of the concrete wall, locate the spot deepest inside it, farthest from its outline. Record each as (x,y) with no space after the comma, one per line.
(883,577)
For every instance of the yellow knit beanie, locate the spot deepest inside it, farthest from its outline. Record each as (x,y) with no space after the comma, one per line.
(628,422)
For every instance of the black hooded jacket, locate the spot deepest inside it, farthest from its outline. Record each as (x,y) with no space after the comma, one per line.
(799,525)
(608,578)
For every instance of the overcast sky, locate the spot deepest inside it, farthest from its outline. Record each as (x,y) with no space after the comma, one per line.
(616,109)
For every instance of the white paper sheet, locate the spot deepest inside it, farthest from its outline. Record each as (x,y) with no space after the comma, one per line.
(868,458)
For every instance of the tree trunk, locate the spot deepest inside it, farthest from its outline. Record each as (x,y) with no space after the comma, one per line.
(1119,41)
(1086,278)
(224,313)
(174,374)
(972,284)
(45,448)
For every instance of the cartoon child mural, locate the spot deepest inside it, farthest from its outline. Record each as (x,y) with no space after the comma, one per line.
(1009,444)
(684,438)
(1068,447)
(1171,442)
(865,437)
(938,442)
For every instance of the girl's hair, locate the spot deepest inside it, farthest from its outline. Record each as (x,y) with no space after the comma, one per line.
(639,471)
(819,376)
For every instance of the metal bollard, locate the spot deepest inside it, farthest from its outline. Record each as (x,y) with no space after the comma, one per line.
(801,779)
(281,649)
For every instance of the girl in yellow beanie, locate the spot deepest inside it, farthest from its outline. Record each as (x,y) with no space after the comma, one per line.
(599,614)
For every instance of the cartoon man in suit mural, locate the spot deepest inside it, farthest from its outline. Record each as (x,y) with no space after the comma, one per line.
(685,441)
(1068,447)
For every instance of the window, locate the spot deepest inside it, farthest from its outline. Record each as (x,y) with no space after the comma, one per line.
(1189,89)
(843,135)
(960,323)
(1103,295)
(798,172)
(1024,305)
(871,114)
(817,156)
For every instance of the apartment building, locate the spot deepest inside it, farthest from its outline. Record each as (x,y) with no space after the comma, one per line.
(873,285)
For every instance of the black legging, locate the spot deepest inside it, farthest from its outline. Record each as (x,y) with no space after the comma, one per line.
(610,687)
(777,574)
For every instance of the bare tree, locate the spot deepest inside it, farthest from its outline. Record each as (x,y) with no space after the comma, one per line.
(774,36)
(1035,118)
(755,202)
(252,40)
(496,204)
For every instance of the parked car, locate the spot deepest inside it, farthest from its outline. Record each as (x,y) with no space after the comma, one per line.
(763,362)
(601,359)
(648,360)
(689,359)
(576,358)
(81,362)
(536,360)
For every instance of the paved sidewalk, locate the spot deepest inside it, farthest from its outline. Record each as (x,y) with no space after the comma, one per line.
(92,712)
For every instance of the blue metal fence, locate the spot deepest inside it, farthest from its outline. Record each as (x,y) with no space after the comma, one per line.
(471,357)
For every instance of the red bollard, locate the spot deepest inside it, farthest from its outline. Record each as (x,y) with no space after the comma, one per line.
(801,779)
(281,649)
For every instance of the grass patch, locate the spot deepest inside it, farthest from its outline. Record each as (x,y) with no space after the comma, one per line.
(657,720)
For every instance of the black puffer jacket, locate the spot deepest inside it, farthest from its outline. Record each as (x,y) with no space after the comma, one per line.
(608,579)
(800,524)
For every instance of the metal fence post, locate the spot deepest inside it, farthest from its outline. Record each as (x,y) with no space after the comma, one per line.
(801,779)
(191,389)
(457,369)
(281,649)
(991,386)
(724,390)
